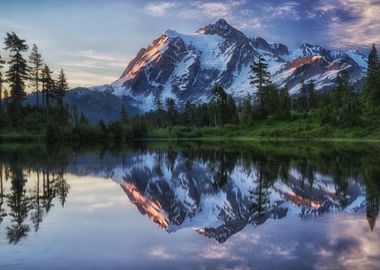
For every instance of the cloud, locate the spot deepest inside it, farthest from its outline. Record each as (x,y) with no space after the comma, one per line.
(158,9)
(353,23)
(235,12)
(89,67)
(213,9)
(161,253)
(289,10)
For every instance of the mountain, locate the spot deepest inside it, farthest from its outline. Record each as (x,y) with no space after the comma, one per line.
(94,105)
(187,67)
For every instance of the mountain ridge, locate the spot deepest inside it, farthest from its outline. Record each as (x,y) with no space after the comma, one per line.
(186,67)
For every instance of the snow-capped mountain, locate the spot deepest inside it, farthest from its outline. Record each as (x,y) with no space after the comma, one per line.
(186,67)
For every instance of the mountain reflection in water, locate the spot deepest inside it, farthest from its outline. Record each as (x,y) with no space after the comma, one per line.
(215,190)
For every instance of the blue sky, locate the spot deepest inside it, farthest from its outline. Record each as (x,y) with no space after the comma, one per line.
(93,40)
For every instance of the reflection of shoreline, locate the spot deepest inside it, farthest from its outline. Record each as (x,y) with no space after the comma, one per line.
(217,192)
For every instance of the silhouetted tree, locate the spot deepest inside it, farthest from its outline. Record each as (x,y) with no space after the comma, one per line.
(36,62)
(17,73)
(260,78)
(60,89)
(2,62)
(171,111)
(372,91)
(284,103)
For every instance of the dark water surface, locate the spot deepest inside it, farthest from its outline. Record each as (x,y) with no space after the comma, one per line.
(191,206)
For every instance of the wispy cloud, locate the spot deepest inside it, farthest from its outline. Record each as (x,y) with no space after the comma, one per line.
(158,9)
(89,67)
(160,252)
(353,23)
(288,10)
(236,12)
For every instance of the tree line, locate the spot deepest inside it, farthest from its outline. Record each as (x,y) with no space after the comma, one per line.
(22,72)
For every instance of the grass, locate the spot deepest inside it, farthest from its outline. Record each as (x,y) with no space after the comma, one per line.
(21,136)
(270,129)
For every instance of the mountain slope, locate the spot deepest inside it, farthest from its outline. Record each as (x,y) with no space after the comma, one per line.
(186,67)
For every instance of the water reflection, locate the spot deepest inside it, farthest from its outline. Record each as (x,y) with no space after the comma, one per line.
(215,190)
(27,194)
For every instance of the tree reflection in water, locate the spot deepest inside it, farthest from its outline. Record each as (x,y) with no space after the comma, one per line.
(33,187)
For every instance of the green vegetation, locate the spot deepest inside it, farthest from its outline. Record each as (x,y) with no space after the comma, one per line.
(342,113)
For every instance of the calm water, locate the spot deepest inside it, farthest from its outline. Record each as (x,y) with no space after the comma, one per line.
(191,206)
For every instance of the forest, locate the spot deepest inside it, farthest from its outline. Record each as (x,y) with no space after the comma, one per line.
(343,112)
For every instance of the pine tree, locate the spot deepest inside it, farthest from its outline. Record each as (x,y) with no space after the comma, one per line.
(60,89)
(232,116)
(36,62)
(220,102)
(2,62)
(188,113)
(302,100)
(372,91)
(47,88)
(247,111)
(17,72)
(124,115)
(159,110)
(171,111)
(285,103)
(260,78)
(312,98)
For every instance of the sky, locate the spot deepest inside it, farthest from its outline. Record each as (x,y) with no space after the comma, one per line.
(93,40)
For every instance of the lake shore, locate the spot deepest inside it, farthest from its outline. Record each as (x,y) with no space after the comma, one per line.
(266,130)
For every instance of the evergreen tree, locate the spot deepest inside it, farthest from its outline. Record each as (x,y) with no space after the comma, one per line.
(171,111)
(302,99)
(232,116)
(47,87)
(159,110)
(247,111)
(47,84)
(220,101)
(2,62)
(372,87)
(347,108)
(124,115)
(271,100)
(260,78)
(189,113)
(311,96)
(285,103)
(36,62)
(17,72)
(60,88)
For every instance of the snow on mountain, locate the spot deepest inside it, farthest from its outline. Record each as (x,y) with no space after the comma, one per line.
(187,67)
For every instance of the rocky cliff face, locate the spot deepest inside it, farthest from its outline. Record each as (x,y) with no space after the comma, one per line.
(187,67)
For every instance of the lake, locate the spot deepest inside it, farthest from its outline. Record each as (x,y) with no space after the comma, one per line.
(191,205)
